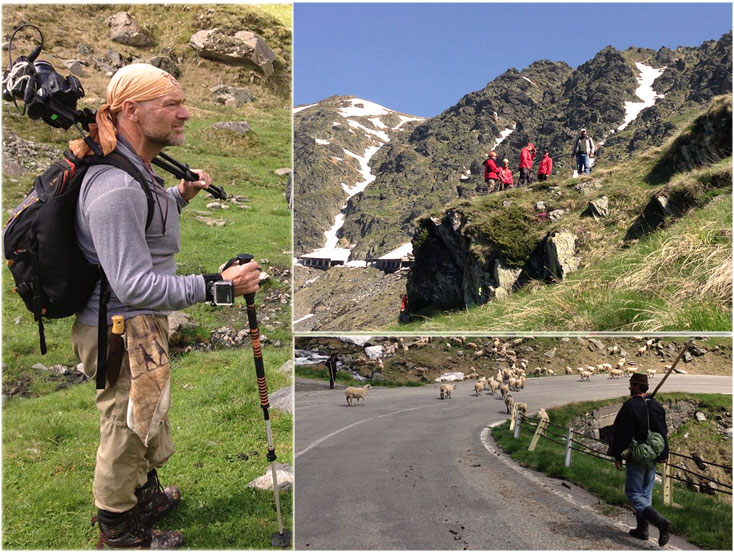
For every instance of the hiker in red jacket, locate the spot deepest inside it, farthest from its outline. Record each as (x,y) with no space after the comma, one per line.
(546,167)
(527,155)
(505,174)
(491,171)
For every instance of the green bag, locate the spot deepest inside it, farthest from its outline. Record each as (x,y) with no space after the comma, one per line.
(645,453)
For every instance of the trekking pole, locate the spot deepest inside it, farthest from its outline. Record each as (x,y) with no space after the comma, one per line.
(283,537)
(675,363)
(182,171)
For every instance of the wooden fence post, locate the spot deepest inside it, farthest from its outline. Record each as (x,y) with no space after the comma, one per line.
(667,485)
(539,428)
(569,438)
(517,423)
(512,419)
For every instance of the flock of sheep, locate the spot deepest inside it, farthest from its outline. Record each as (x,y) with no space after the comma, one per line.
(505,380)
(513,379)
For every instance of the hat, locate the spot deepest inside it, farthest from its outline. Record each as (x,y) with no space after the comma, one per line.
(531,145)
(583,130)
(505,161)
(639,378)
(493,153)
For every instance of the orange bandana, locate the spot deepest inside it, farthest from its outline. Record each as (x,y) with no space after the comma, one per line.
(138,82)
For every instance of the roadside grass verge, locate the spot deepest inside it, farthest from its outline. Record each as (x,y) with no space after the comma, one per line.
(49,446)
(704,520)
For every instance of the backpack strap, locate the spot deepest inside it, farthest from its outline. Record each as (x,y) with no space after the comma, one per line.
(119,161)
(115,159)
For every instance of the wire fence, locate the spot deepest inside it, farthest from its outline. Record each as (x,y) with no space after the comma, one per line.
(571,444)
(727,468)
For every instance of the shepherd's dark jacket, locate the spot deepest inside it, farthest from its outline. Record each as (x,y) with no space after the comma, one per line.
(631,421)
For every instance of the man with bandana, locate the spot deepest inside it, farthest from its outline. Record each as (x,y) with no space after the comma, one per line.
(144,112)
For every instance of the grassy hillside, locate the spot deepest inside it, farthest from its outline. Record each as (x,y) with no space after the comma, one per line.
(49,427)
(674,277)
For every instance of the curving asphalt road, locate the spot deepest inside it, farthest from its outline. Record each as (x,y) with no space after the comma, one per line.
(409,471)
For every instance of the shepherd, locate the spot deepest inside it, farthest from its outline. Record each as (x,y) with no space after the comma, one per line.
(640,417)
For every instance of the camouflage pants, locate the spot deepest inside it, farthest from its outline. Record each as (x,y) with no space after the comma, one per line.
(123,461)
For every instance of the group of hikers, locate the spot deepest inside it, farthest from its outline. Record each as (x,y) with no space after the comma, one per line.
(500,178)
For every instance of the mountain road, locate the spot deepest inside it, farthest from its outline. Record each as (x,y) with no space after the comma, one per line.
(409,471)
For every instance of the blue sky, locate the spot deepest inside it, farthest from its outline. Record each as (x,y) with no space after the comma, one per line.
(422,58)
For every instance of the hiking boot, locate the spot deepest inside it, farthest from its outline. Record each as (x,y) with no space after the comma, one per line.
(155,502)
(641,532)
(126,531)
(663,525)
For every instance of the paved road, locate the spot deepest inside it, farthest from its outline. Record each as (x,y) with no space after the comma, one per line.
(409,471)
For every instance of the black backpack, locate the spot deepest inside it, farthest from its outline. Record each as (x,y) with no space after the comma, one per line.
(51,274)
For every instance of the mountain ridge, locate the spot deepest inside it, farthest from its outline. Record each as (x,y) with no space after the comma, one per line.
(546,102)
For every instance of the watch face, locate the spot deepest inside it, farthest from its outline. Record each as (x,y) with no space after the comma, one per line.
(223,293)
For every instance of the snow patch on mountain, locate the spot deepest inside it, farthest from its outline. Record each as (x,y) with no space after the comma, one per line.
(301,108)
(405,119)
(382,135)
(644,92)
(321,141)
(362,108)
(400,252)
(503,135)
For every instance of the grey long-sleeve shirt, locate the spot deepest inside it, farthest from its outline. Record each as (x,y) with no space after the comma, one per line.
(139,263)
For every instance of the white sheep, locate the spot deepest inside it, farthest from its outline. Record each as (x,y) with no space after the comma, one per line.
(356,393)
(543,416)
(651,373)
(446,390)
(504,390)
(569,371)
(493,386)
(479,387)
(616,374)
(586,376)
(508,403)
(521,382)
(521,407)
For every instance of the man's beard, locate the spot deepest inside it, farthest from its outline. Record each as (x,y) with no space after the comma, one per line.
(169,139)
